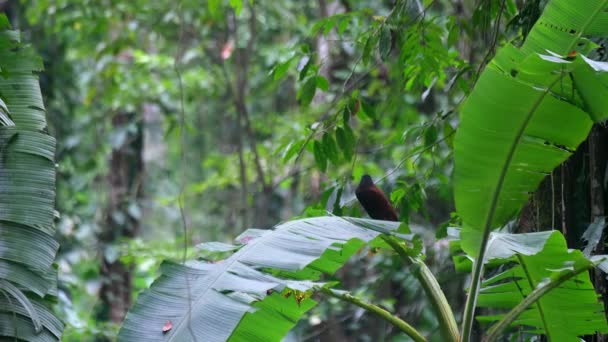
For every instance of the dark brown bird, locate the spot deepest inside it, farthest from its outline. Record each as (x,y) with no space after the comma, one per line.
(374,201)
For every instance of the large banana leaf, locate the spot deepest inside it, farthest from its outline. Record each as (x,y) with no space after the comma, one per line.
(512,134)
(566,312)
(526,116)
(256,294)
(529,111)
(27,195)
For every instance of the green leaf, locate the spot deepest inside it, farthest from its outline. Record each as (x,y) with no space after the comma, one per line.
(307,91)
(27,198)
(368,48)
(500,158)
(344,143)
(430,135)
(592,85)
(573,309)
(237,5)
(343,25)
(385,42)
(307,65)
(281,68)
(563,24)
(330,149)
(233,298)
(11,290)
(448,133)
(214,7)
(320,157)
(292,149)
(367,109)
(322,83)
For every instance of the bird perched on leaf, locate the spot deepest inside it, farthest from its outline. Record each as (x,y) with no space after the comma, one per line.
(374,201)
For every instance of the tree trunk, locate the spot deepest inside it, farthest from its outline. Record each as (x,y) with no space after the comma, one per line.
(571,198)
(121,219)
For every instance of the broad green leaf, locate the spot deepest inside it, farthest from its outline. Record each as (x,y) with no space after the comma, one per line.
(563,314)
(53,326)
(592,85)
(505,147)
(521,120)
(228,298)
(563,25)
(27,198)
(9,289)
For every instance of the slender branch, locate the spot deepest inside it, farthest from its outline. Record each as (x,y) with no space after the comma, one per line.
(431,287)
(532,298)
(392,319)
(242,64)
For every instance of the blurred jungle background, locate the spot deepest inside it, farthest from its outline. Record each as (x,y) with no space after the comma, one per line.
(179,122)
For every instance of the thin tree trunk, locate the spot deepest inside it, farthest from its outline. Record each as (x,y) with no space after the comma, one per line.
(121,220)
(598,157)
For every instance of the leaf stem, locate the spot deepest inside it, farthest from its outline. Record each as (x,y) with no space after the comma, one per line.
(394,320)
(532,298)
(439,302)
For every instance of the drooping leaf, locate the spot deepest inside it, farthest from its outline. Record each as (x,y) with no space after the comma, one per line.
(345,143)
(330,149)
(385,42)
(307,91)
(226,299)
(320,156)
